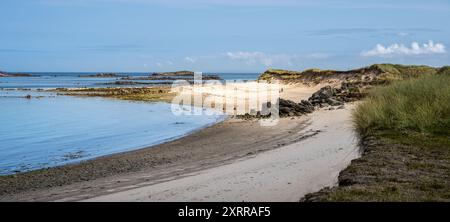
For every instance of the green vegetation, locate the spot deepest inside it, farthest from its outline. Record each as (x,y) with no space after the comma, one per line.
(406,127)
(371,74)
(397,72)
(444,70)
(419,105)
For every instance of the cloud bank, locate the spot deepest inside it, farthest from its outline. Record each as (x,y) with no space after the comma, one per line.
(400,49)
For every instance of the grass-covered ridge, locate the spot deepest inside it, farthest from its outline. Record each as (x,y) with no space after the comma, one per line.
(376,72)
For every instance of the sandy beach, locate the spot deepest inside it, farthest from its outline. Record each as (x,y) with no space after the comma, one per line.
(235,160)
(313,161)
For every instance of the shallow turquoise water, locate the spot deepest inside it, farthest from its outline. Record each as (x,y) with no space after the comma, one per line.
(56,130)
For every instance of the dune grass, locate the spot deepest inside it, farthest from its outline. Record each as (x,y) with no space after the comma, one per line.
(408,156)
(419,105)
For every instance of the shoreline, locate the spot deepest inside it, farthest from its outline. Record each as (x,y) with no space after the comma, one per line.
(162,161)
(312,161)
(227,143)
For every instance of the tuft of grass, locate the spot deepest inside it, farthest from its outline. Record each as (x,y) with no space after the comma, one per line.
(414,105)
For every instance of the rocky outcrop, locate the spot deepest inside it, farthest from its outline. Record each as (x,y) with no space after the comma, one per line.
(284,107)
(330,96)
(177,73)
(102,75)
(324,97)
(291,108)
(5,74)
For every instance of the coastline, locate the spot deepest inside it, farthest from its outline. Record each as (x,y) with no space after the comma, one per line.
(233,144)
(229,142)
(174,158)
(313,160)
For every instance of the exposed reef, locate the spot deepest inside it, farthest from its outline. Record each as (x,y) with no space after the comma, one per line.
(102,75)
(150,94)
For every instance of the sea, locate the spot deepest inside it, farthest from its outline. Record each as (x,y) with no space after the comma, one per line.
(52,130)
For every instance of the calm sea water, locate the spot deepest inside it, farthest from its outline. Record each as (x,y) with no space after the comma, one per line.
(71,80)
(54,130)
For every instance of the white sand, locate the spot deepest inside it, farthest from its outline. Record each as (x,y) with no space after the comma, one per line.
(283,174)
(241,98)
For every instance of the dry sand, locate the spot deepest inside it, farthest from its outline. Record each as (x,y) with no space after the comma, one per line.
(240,98)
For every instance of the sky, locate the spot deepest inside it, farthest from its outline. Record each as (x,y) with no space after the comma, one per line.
(220,35)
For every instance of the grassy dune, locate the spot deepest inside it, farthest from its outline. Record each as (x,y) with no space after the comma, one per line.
(406,130)
(417,105)
(370,74)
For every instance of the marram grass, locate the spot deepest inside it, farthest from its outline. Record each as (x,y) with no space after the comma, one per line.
(419,105)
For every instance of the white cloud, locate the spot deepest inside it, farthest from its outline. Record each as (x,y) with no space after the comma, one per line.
(255,58)
(164,64)
(191,60)
(318,55)
(400,49)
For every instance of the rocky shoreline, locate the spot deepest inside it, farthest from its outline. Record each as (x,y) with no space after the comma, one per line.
(6,74)
(103,75)
(149,94)
(328,96)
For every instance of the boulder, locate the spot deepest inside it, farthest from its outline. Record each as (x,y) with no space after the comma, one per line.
(334,102)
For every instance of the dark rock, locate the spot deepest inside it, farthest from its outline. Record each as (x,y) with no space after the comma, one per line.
(102,75)
(323,93)
(334,102)
(328,96)
(285,110)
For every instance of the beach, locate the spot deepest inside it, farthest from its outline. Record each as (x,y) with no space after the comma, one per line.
(313,160)
(232,150)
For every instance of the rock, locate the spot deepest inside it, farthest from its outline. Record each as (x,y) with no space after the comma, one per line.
(285,110)
(328,96)
(297,109)
(306,103)
(334,102)
(323,93)
(102,75)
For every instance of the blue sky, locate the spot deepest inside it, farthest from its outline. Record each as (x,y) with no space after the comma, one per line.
(220,35)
